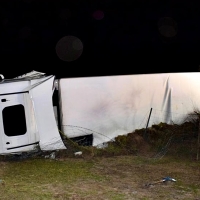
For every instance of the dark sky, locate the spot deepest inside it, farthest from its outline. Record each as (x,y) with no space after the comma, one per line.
(75,38)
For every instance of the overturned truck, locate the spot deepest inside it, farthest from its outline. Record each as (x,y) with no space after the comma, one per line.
(36,108)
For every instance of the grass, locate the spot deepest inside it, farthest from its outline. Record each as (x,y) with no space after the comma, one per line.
(29,179)
(111,178)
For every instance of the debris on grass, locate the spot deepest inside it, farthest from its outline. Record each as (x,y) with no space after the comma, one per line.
(163,180)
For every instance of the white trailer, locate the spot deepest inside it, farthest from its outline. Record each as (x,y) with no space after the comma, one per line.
(109,106)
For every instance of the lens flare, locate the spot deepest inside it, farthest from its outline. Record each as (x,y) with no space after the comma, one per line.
(69,48)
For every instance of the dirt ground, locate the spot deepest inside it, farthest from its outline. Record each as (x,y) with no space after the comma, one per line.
(134,171)
(140,177)
(133,177)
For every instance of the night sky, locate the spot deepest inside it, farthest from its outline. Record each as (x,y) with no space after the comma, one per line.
(76,38)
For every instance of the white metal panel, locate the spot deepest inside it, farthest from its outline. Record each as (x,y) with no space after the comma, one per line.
(41,94)
(30,119)
(13,87)
(17,86)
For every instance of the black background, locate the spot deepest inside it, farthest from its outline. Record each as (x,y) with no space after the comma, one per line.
(125,41)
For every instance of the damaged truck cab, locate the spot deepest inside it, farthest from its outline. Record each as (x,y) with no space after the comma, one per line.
(27,116)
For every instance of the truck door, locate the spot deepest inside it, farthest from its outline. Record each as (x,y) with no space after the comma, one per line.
(16,123)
